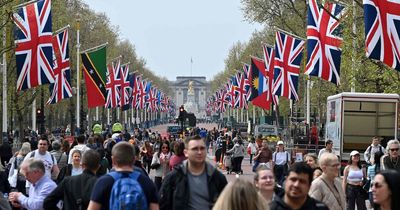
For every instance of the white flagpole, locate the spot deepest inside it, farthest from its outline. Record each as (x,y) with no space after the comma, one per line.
(34,115)
(97,113)
(308,100)
(353,86)
(108,116)
(78,45)
(5,123)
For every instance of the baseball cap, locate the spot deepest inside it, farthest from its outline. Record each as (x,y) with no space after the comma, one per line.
(354,152)
(280,142)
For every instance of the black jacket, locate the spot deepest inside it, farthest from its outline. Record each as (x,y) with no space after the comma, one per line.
(71,190)
(311,203)
(174,192)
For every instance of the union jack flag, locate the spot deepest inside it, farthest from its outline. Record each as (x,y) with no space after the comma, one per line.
(151,98)
(323,41)
(288,54)
(221,100)
(240,89)
(113,85)
(133,82)
(269,68)
(230,92)
(34,50)
(382,31)
(125,88)
(141,93)
(247,81)
(61,89)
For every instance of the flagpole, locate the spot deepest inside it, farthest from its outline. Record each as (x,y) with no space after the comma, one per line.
(34,115)
(95,48)
(308,100)
(78,81)
(97,113)
(24,4)
(353,86)
(288,33)
(61,29)
(4,65)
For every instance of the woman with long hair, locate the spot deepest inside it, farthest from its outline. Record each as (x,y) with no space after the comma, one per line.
(240,195)
(353,181)
(146,152)
(386,190)
(160,163)
(71,169)
(17,180)
(312,161)
(178,157)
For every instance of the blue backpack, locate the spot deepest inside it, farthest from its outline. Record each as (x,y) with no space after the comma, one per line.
(126,192)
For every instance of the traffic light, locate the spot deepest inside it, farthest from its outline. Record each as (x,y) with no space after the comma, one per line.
(181,113)
(40,118)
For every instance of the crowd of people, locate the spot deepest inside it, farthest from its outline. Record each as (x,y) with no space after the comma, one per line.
(103,170)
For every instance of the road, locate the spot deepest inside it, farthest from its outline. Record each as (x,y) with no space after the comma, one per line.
(246,167)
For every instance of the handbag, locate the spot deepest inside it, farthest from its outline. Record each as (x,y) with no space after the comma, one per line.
(156,164)
(366,184)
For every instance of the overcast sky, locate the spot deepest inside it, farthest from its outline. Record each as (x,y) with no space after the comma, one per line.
(167,34)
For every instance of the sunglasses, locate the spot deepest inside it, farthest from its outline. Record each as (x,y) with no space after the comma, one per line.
(377,185)
(394,149)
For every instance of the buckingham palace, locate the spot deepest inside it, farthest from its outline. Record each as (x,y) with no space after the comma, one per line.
(200,92)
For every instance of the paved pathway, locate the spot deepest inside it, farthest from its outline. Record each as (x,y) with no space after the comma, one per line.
(246,167)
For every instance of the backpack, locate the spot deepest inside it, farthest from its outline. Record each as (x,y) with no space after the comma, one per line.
(126,192)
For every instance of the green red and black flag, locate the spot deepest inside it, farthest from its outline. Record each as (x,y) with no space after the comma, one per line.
(95,68)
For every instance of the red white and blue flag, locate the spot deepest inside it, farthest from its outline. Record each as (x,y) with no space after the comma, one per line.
(141,93)
(269,56)
(230,92)
(61,89)
(241,92)
(247,80)
(34,49)
(113,85)
(125,88)
(288,54)
(222,100)
(323,41)
(382,31)
(151,99)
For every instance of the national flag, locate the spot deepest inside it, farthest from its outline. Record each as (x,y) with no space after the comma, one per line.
(113,85)
(382,31)
(230,92)
(95,69)
(141,95)
(61,89)
(222,99)
(241,92)
(323,41)
(133,82)
(34,50)
(288,54)
(259,87)
(247,81)
(269,56)
(151,97)
(126,89)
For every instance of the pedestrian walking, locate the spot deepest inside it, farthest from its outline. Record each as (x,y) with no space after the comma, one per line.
(386,190)
(195,184)
(297,186)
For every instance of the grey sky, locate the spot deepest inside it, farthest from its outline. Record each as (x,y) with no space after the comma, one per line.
(168,33)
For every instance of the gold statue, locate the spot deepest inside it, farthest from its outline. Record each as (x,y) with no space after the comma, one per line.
(190,88)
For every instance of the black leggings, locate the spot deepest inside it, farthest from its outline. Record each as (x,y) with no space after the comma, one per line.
(158,182)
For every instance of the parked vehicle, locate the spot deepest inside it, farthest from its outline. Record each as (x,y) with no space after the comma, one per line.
(268,132)
(354,118)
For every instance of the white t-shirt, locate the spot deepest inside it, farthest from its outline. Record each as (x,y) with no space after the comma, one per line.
(48,160)
(281,158)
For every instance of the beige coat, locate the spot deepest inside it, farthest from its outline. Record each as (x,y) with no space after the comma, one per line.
(320,191)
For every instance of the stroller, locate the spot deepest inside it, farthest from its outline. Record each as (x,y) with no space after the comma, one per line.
(228,163)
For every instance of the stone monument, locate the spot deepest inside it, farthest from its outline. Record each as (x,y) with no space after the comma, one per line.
(190,105)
